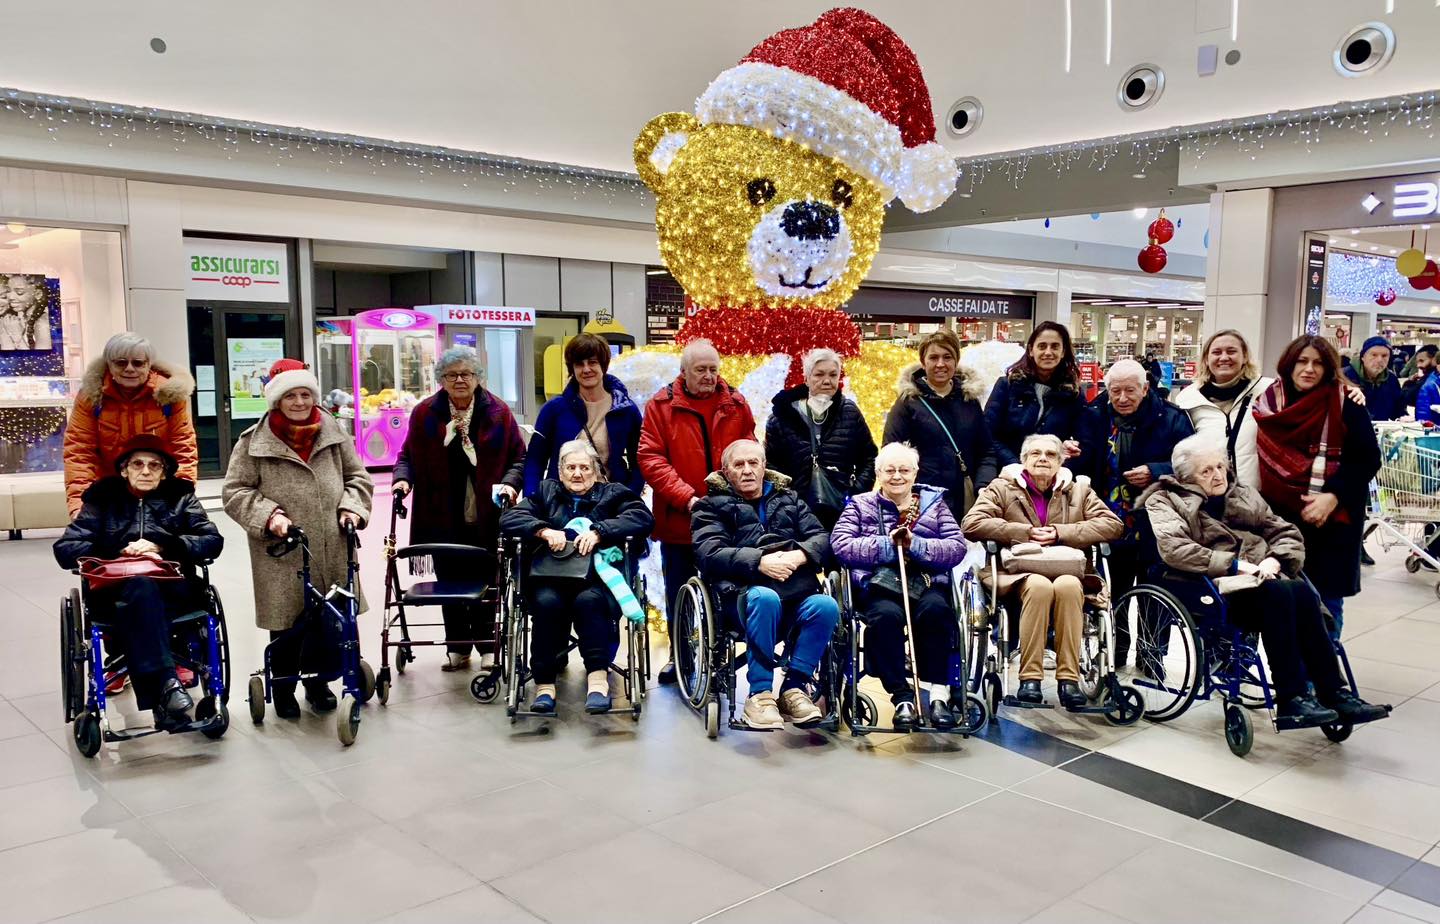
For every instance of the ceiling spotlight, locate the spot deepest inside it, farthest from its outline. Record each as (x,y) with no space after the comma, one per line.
(964,117)
(1393,251)
(157,45)
(1138,176)
(1140,87)
(655,272)
(1363,50)
(1139,212)
(1354,230)
(1374,249)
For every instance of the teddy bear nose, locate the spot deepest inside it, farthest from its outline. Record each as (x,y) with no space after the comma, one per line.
(810,221)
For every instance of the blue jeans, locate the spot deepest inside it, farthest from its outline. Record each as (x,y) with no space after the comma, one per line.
(809,625)
(1336,606)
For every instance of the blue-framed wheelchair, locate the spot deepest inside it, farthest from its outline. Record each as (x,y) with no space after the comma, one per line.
(858,708)
(1187,650)
(706,636)
(198,641)
(634,674)
(1106,694)
(331,616)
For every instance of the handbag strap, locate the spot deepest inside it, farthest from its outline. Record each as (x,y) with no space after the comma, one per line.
(953,445)
(1232,428)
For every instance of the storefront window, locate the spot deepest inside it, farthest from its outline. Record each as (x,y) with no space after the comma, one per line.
(1336,328)
(62,295)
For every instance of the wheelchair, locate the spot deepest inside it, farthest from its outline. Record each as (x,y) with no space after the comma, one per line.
(1187,650)
(336,612)
(705,634)
(1120,703)
(485,686)
(199,641)
(515,631)
(858,708)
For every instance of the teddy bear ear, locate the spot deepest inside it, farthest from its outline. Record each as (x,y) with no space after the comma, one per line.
(659,142)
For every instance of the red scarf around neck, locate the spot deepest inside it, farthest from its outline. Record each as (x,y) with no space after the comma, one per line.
(299,437)
(1298,452)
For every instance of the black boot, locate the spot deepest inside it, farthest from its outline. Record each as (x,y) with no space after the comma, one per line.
(1365,558)
(319,696)
(1354,710)
(1304,712)
(282,696)
(1030,692)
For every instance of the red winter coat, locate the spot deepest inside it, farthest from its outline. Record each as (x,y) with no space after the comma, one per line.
(679,447)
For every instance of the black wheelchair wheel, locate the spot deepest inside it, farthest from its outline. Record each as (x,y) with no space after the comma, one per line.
(692,638)
(1170,663)
(1091,642)
(863,716)
(209,707)
(1338,731)
(977,714)
(993,693)
(1412,564)
(403,656)
(1239,733)
(72,655)
(1127,707)
(87,734)
(484,686)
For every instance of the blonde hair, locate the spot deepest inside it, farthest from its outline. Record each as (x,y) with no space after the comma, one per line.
(1248,370)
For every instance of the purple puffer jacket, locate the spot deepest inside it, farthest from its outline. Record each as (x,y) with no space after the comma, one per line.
(861,539)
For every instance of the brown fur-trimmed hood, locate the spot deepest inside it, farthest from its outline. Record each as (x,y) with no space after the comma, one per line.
(168,384)
(911,383)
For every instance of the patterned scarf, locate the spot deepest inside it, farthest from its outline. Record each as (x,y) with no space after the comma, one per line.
(299,437)
(1123,494)
(1299,441)
(459,425)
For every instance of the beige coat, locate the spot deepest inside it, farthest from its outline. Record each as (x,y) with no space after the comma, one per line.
(264,474)
(1004,513)
(1189,539)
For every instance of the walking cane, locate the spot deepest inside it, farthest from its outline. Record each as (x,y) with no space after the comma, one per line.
(909,633)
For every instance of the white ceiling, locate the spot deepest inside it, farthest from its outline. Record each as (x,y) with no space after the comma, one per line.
(574,80)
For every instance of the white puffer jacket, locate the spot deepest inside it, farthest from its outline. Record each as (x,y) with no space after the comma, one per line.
(1215,423)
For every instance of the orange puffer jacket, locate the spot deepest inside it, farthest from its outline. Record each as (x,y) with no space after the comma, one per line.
(102,421)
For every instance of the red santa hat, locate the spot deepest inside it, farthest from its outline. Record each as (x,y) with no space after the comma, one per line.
(287,375)
(848,87)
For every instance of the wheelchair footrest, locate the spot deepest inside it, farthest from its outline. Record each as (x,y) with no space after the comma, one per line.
(193,725)
(1015,702)
(742,725)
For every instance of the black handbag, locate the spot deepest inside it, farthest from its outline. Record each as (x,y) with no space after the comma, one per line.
(564,565)
(886,579)
(823,493)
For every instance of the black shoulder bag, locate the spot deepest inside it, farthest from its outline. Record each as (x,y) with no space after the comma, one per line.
(823,493)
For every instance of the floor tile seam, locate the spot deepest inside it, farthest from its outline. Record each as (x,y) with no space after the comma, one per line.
(1371,904)
(124,898)
(41,779)
(850,856)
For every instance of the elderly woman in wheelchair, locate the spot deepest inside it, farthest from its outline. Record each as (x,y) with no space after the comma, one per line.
(1206,525)
(1045,518)
(874,529)
(130,529)
(571,519)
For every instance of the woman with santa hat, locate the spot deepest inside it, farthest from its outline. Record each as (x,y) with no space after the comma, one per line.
(296,467)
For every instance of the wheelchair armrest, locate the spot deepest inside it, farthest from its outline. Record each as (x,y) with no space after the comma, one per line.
(445,549)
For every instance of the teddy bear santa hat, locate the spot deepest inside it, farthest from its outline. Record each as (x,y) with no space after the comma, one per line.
(849,88)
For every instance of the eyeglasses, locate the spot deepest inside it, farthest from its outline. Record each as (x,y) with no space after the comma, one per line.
(451,378)
(1050,454)
(128,363)
(897,470)
(145,465)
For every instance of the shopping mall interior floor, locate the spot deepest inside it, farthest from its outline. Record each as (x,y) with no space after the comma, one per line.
(442,810)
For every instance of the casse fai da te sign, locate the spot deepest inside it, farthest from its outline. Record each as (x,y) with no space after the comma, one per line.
(918,303)
(236,271)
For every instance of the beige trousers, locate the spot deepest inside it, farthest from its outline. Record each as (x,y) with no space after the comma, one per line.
(1041,597)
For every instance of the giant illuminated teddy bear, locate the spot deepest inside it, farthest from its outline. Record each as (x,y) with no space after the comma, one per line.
(771,198)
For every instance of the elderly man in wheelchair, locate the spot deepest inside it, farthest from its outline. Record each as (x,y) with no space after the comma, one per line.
(1205,525)
(1045,520)
(753,533)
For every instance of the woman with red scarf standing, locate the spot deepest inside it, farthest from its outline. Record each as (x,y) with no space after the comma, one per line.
(1317,456)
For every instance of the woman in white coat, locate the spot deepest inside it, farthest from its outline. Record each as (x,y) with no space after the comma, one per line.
(1221,399)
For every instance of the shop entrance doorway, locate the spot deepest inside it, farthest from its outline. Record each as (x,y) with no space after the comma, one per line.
(231,351)
(552,329)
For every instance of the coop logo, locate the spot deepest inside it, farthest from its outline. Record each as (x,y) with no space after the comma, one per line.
(241,281)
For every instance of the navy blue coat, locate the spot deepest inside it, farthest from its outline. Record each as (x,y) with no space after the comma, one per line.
(1385,401)
(561,420)
(1161,426)
(1013,413)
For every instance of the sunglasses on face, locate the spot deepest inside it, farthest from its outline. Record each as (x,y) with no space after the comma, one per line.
(145,465)
(129,363)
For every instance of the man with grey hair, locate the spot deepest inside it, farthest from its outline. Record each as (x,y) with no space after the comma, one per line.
(1127,439)
(688,425)
(753,533)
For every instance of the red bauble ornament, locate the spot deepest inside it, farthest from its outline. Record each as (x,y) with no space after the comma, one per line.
(1420,282)
(1386,298)
(1161,230)
(1429,277)
(1152,258)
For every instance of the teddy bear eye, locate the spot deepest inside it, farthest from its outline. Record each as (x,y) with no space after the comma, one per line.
(842,195)
(760,191)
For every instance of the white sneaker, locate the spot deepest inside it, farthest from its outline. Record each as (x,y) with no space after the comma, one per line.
(797,706)
(455,662)
(761,711)
(1049,660)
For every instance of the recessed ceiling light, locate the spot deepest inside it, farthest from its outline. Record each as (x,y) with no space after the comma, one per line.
(1424,227)
(1354,230)
(157,45)
(965,195)
(1139,212)
(1138,176)
(655,272)
(1374,249)
(1393,251)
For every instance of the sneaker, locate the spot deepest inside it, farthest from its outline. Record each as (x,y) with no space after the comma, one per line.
(1354,710)
(667,674)
(761,711)
(455,661)
(187,678)
(797,706)
(1304,712)
(1049,659)
(1030,692)
(319,696)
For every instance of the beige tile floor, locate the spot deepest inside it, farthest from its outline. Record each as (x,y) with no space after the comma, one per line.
(444,811)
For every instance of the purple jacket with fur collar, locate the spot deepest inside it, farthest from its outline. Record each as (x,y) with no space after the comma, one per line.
(861,539)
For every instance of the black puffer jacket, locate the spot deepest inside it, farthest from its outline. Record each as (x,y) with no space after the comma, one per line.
(111,518)
(728,529)
(615,512)
(1013,413)
(847,450)
(910,422)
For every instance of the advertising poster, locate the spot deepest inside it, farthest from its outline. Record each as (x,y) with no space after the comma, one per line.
(1314,284)
(24,312)
(249,360)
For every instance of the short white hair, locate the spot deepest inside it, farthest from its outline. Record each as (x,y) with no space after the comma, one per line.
(738,445)
(1189,451)
(578,448)
(1125,369)
(1040,440)
(820,355)
(897,452)
(694,349)
(128,345)
(457,356)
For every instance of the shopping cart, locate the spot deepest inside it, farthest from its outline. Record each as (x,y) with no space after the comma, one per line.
(1405,495)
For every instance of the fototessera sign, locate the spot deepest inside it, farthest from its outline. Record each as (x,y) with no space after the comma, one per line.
(237,271)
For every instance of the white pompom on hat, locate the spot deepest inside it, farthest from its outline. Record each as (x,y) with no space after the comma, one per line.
(287,375)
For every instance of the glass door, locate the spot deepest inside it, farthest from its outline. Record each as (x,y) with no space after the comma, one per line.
(231,351)
(552,330)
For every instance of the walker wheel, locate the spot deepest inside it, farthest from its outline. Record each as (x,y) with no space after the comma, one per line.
(485,687)
(206,709)
(712,719)
(977,714)
(257,700)
(403,657)
(1338,731)
(87,734)
(347,719)
(1127,707)
(367,681)
(1239,734)
(868,715)
(1412,564)
(993,696)
(1437,589)
(382,686)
